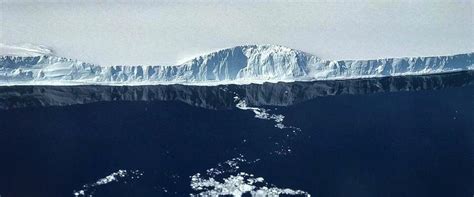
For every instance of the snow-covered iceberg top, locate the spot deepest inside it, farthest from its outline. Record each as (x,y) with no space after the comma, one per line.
(24,50)
(238,65)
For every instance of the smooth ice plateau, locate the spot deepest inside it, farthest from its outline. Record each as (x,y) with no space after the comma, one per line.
(38,65)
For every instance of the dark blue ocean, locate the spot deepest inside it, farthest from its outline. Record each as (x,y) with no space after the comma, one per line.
(390,137)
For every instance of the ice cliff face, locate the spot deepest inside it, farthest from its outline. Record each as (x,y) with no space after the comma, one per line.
(242,64)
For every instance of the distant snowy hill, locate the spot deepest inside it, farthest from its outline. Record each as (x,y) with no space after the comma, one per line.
(237,65)
(24,50)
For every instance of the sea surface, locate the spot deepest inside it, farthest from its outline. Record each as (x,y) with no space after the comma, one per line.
(392,136)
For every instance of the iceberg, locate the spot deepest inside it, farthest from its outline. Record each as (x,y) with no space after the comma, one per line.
(238,65)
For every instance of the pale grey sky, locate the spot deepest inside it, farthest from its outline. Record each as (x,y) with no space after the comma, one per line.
(164,32)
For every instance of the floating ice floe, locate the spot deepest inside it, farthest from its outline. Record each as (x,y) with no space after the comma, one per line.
(237,185)
(225,180)
(264,114)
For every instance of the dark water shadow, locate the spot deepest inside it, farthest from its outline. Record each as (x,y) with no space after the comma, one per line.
(221,97)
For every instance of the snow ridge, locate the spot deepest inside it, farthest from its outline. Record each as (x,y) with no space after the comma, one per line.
(237,65)
(24,50)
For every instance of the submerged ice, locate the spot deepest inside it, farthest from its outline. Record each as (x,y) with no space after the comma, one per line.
(239,65)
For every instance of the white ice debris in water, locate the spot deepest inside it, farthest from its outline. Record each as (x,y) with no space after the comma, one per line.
(120,175)
(229,166)
(236,183)
(262,113)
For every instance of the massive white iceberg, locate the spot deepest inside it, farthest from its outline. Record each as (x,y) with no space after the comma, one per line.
(237,65)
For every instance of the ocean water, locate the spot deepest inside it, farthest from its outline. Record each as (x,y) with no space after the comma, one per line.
(394,136)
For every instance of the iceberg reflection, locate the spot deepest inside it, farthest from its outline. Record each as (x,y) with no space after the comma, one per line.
(220,97)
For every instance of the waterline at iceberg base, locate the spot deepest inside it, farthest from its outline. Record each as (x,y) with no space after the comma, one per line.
(222,96)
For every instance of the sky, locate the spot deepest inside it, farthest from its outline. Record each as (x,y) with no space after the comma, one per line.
(166,32)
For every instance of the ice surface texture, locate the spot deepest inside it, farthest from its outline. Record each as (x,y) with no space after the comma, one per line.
(237,65)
